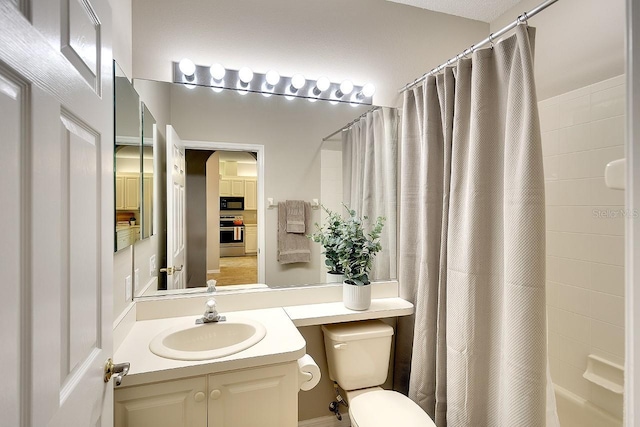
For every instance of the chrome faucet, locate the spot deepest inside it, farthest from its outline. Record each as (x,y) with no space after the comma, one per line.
(211,314)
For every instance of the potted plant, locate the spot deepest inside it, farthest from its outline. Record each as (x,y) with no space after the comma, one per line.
(329,237)
(356,252)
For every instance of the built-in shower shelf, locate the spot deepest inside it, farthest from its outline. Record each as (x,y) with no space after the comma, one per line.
(604,373)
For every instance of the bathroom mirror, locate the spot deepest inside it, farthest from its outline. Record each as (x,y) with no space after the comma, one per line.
(297,165)
(127,161)
(148,181)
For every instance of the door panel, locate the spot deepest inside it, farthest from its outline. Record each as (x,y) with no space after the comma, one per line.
(13,99)
(176,233)
(63,243)
(80,40)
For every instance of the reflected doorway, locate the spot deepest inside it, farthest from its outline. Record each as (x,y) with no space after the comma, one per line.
(222,217)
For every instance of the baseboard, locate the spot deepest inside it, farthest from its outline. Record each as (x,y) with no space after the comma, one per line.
(213,271)
(328,421)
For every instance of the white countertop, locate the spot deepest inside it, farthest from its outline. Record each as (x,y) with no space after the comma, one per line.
(282,343)
(336,312)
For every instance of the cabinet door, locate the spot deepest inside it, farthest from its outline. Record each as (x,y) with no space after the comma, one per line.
(251,239)
(225,187)
(262,397)
(237,187)
(131,192)
(250,194)
(180,403)
(119,192)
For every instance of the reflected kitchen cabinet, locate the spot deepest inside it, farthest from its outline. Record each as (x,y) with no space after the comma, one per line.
(250,194)
(232,187)
(250,239)
(127,192)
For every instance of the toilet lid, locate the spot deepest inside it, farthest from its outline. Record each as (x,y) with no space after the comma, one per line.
(383,408)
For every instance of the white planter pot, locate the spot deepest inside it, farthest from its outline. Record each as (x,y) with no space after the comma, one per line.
(356,297)
(335,278)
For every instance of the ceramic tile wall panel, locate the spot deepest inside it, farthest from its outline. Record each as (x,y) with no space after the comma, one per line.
(582,131)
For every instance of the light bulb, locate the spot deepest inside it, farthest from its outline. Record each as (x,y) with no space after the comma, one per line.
(368,90)
(272,77)
(346,87)
(217,71)
(245,74)
(190,86)
(323,84)
(187,67)
(297,81)
(217,89)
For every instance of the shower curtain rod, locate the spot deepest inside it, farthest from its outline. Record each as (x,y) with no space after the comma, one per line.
(519,20)
(348,125)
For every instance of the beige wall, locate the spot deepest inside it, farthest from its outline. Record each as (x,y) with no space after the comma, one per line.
(578,42)
(375,41)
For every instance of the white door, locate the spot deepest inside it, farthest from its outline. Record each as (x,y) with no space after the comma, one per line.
(56,184)
(176,180)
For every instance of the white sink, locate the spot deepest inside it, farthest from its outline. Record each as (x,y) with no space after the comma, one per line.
(189,341)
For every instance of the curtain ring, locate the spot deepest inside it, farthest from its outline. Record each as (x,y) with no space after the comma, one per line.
(523,19)
(491,40)
(468,51)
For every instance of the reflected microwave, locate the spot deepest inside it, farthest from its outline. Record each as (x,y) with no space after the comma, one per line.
(231,203)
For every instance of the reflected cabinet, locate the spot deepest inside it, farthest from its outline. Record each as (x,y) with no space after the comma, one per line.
(133,164)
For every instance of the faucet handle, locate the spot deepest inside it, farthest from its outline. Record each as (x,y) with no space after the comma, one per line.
(211,305)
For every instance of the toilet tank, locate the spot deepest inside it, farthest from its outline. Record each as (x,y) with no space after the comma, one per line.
(358,353)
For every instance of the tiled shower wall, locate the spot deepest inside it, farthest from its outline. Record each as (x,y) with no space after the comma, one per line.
(582,131)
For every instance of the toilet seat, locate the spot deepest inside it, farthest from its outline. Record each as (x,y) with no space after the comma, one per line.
(383,408)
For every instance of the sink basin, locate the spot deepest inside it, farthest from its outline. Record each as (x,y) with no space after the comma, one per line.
(207,341)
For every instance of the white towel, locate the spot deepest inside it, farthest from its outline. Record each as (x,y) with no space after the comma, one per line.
(237,233)
(295,216)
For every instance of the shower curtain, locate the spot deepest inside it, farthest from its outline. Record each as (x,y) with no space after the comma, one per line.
(369,180)
(472,242)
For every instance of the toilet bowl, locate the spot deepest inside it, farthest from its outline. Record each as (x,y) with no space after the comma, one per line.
(358,359)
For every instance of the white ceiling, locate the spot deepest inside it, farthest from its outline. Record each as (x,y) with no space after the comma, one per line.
(480,10)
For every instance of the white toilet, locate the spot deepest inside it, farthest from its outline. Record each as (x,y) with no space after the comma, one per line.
(358,359)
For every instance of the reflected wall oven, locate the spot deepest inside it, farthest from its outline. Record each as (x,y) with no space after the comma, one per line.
(231,236)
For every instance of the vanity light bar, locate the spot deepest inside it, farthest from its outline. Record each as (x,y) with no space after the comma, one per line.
(298,86)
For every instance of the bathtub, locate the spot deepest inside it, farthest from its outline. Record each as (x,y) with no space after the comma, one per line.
(575,411)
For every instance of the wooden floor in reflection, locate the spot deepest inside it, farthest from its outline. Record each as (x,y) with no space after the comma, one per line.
(236,271)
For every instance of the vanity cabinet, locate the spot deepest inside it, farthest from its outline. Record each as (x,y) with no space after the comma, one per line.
(250,239)
(180,403)
(258,397)
(127,192)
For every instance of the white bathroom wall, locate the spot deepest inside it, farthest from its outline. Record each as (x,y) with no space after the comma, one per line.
(122,35)
(582,131)
(376,41)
